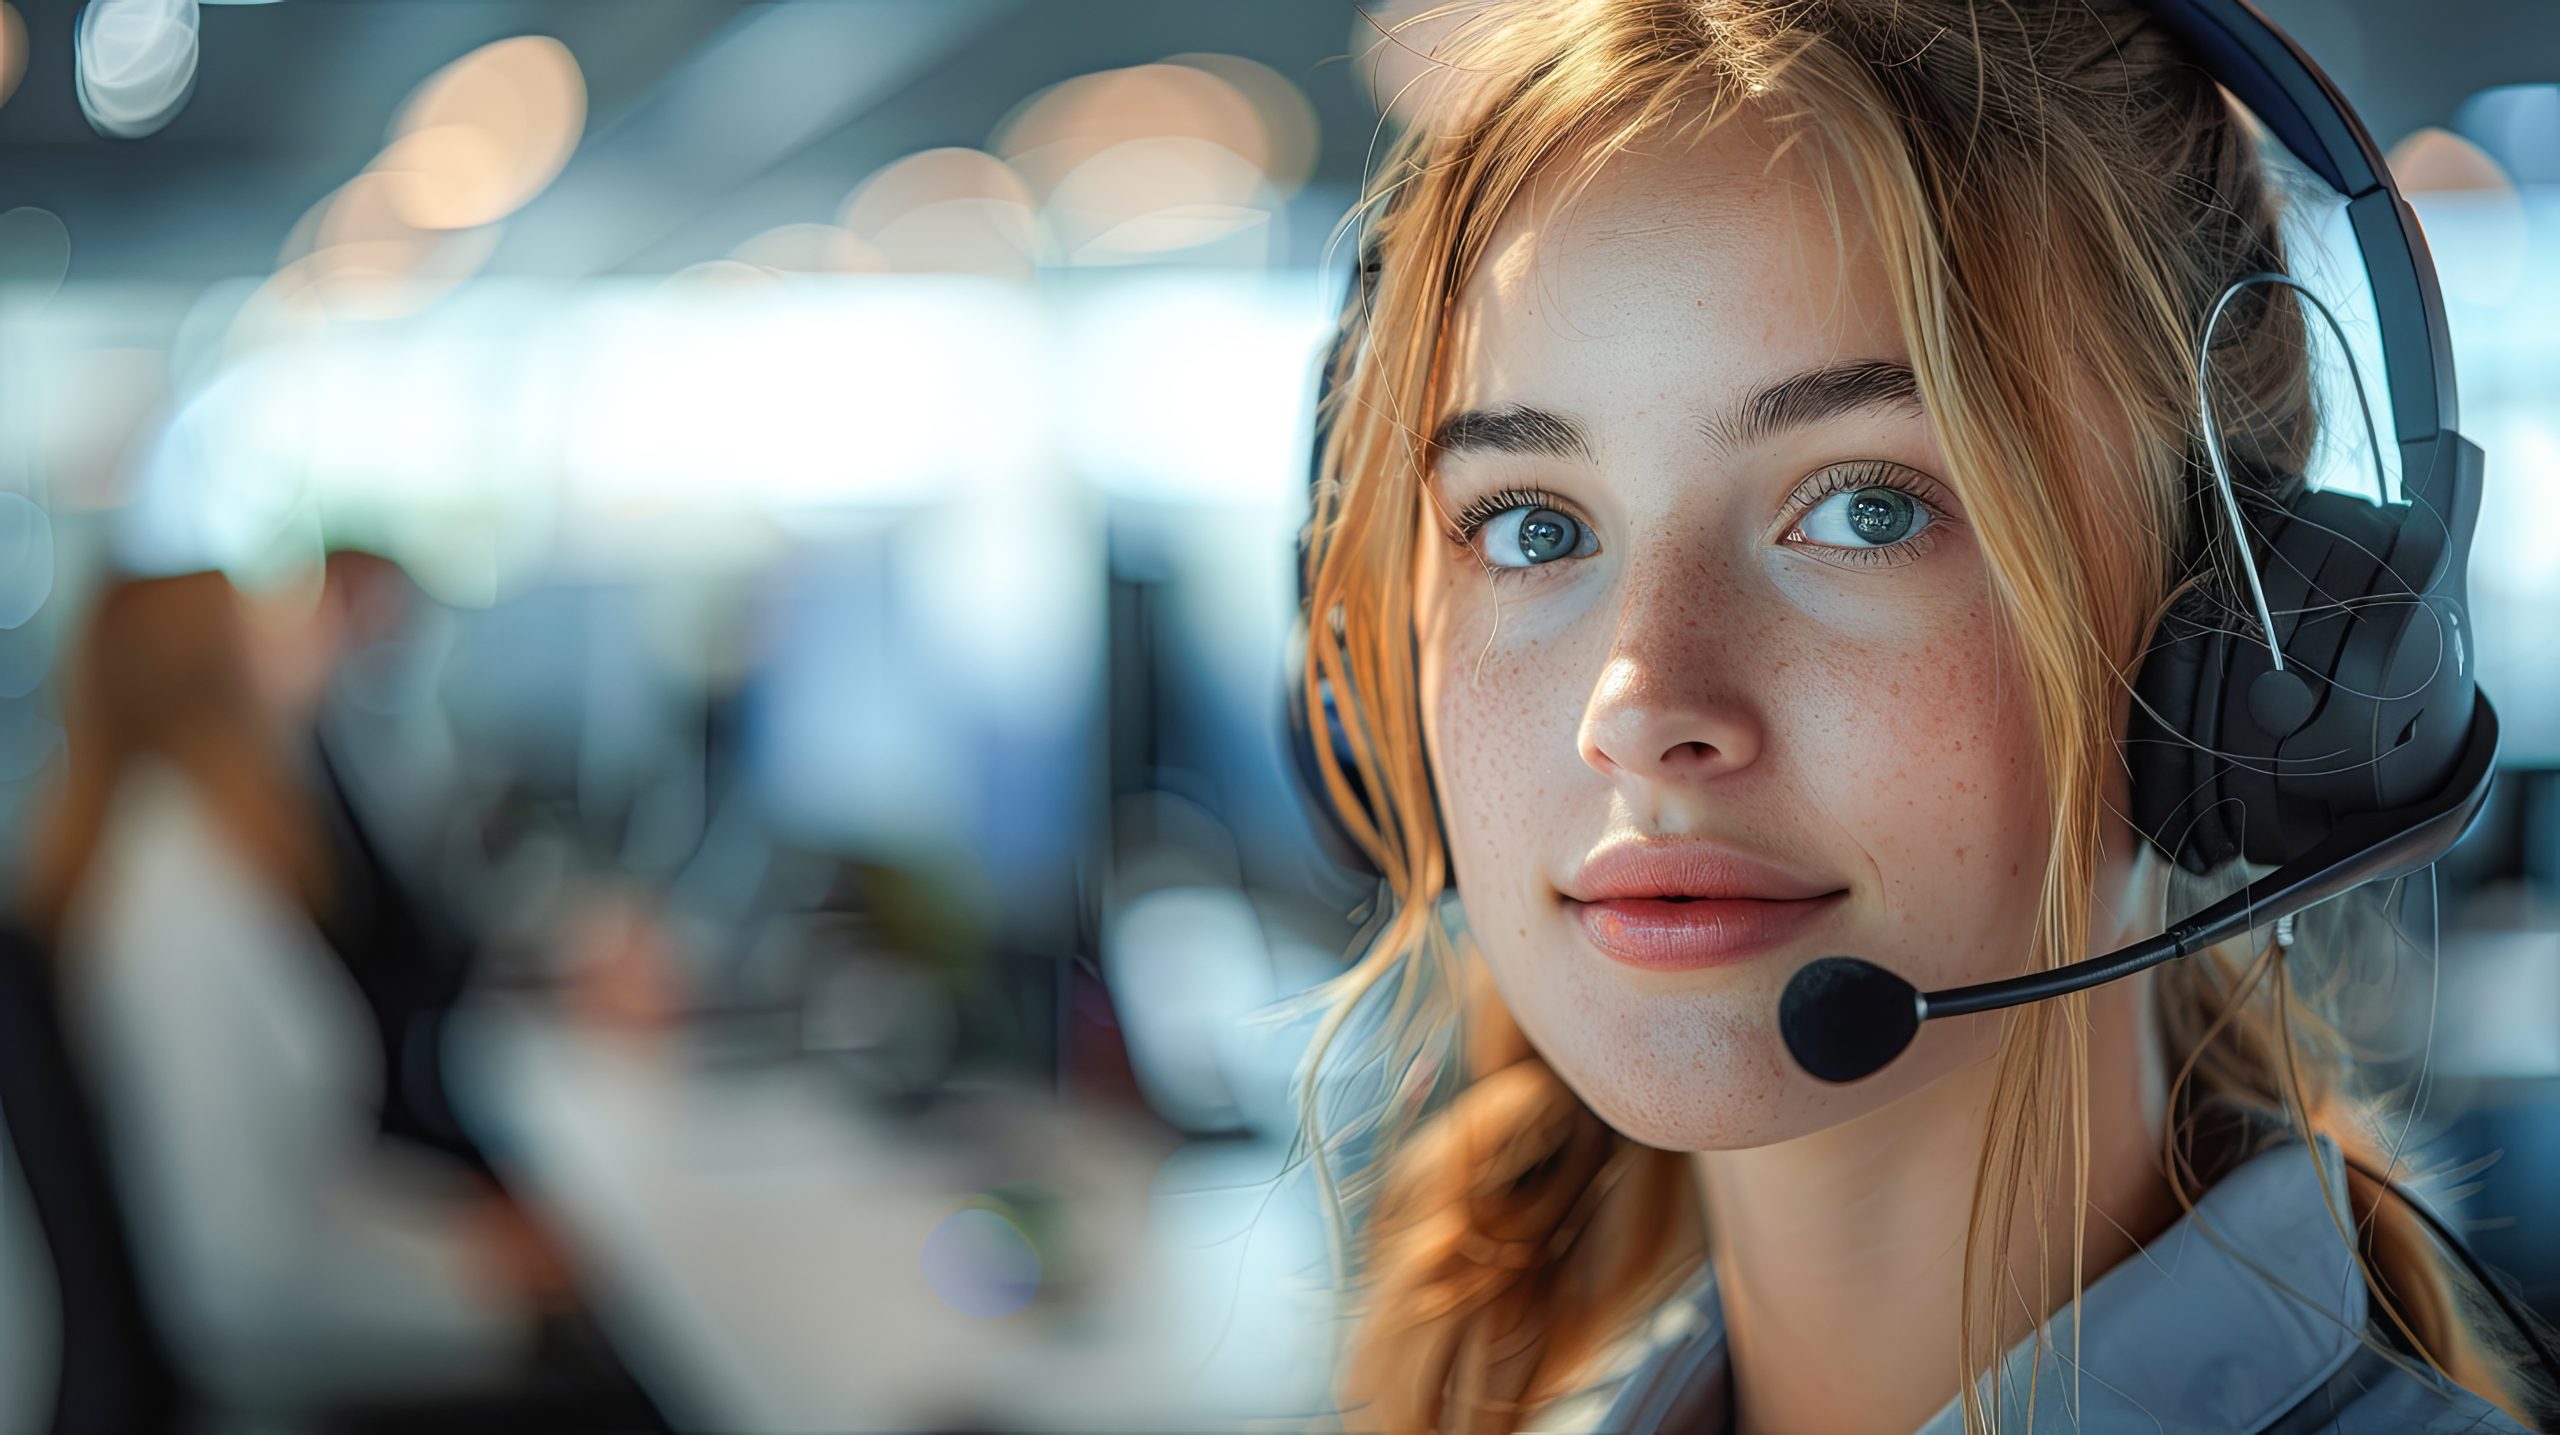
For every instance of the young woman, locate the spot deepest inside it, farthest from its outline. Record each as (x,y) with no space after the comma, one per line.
(291,1261)
(1768,445)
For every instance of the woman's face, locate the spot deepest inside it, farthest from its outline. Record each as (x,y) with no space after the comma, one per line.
(1723,596)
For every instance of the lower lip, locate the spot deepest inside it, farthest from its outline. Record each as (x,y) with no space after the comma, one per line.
(1664,936)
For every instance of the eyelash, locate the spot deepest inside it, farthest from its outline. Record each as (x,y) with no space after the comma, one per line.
(1839,478)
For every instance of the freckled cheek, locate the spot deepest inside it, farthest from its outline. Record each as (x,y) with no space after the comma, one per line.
(1945,784)
(1502,729)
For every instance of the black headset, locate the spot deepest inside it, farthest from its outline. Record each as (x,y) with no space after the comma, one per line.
(2342,739)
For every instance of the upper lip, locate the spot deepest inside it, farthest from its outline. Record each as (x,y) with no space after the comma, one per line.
(1687,868)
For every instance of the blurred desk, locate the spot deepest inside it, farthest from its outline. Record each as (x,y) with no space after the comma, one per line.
(755,1240)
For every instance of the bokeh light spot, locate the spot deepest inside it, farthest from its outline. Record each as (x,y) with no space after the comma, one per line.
(981,1264)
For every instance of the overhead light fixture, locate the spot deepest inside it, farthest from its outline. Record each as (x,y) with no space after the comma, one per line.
(135,62)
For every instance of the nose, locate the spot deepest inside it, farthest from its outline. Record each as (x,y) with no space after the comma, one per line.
(1635,727)
(1670,708)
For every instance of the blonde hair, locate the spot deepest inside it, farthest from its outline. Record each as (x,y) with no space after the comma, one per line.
(2007,156)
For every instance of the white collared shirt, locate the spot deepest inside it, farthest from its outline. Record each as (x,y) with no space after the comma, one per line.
(290,1258)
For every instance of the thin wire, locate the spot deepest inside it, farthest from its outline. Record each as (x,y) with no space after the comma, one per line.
(2213,430)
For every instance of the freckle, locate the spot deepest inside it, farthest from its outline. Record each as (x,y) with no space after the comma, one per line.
(1959,856)
(2013,869)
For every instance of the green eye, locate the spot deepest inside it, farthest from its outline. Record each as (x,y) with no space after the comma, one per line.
(1872,517)
(1532,535)
(1522,528)
(1874,513)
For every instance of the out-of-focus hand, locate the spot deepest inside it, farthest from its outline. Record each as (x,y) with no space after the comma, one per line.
(621,964)
(518,1254)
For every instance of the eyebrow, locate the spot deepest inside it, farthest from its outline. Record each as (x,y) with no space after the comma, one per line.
(1516,428)
(1794,402)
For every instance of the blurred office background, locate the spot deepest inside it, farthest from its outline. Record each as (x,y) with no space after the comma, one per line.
(838,464)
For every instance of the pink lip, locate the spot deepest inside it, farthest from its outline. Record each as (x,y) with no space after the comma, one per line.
(1686,868)
(1668,936)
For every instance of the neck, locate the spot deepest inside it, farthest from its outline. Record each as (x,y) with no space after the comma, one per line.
(1845,1249)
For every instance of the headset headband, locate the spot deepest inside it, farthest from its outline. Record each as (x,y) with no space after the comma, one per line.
(2267,72)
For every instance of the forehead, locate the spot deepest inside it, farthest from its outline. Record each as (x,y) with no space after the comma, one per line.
(1687,268)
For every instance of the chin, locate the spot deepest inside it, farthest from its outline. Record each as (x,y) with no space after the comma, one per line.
(1702,1068)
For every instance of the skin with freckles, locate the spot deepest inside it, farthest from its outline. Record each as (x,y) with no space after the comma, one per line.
(1715,633)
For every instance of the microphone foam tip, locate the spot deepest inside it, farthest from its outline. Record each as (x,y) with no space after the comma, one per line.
(1844,1018)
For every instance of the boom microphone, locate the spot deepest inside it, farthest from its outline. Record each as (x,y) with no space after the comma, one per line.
(1844,1018)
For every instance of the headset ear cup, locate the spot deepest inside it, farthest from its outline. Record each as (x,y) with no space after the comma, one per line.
(1331,833)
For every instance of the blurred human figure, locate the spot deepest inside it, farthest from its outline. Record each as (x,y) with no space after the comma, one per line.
(386,773)
(381,769)
(291,1259)
(385,642)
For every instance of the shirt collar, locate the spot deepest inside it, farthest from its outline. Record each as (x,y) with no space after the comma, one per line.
(2229,1318)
